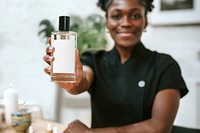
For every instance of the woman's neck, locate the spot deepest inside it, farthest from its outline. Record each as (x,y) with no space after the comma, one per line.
(124,53)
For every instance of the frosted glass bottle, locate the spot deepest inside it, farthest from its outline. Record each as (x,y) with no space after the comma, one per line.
(65,43)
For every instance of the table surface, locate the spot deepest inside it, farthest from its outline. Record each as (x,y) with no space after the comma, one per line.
(39,126)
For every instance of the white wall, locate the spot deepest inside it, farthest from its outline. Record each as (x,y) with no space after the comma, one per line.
(21,52)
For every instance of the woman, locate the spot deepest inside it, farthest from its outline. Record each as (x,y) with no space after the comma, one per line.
(133,89)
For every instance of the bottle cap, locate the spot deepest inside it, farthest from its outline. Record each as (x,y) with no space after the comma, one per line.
(64,23)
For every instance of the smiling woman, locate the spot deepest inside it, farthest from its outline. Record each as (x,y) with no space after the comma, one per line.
(132,88)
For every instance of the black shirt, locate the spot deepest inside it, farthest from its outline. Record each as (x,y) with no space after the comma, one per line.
(123,94)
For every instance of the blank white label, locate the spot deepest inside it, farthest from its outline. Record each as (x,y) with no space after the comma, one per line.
(64,55)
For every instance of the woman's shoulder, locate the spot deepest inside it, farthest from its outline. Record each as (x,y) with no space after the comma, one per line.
(92,56)
(164,57)
(164,60)
(160,60)
(157,56)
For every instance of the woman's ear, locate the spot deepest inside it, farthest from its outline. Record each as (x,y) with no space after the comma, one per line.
(107,24)
(107,27)
(146,23)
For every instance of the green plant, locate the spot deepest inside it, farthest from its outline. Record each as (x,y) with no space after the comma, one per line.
(90,31)
(48,28)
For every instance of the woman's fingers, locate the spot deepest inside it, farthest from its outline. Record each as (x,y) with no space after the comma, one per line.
(50,50)
(78,63)
(47,70)
(48,59)
(49,54)
(49,41)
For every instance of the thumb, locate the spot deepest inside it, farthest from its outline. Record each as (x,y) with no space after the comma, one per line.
(78,62)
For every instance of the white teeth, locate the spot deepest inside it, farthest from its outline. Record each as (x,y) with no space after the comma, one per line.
(126,34)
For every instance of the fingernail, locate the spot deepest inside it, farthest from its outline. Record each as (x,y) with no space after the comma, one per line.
(51,58)
(51,49)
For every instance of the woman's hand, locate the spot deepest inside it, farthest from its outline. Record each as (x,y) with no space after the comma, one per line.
(77,127)
(48,58)
(70,87)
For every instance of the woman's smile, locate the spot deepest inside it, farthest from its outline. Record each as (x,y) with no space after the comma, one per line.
(125,33)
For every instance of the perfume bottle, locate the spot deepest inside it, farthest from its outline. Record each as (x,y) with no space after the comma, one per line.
(65,43)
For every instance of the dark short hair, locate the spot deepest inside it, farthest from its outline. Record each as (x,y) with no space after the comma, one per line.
(104,4)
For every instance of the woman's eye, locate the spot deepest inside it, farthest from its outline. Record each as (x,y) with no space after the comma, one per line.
(116,17)
(135,16)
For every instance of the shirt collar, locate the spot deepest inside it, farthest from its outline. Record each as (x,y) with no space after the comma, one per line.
(138,51)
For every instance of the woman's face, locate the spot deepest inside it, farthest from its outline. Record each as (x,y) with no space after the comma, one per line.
(126,21)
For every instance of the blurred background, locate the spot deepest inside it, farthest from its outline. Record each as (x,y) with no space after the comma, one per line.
(171,30)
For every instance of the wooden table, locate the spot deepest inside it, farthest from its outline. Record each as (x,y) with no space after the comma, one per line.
(39,126)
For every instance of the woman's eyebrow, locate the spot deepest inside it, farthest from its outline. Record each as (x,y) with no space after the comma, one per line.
(133,9)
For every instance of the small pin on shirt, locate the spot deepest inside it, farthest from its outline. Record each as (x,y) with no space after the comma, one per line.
(141,83)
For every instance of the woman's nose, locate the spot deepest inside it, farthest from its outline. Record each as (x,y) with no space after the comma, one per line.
(126,22)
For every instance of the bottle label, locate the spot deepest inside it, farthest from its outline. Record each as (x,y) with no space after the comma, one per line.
(64,55)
